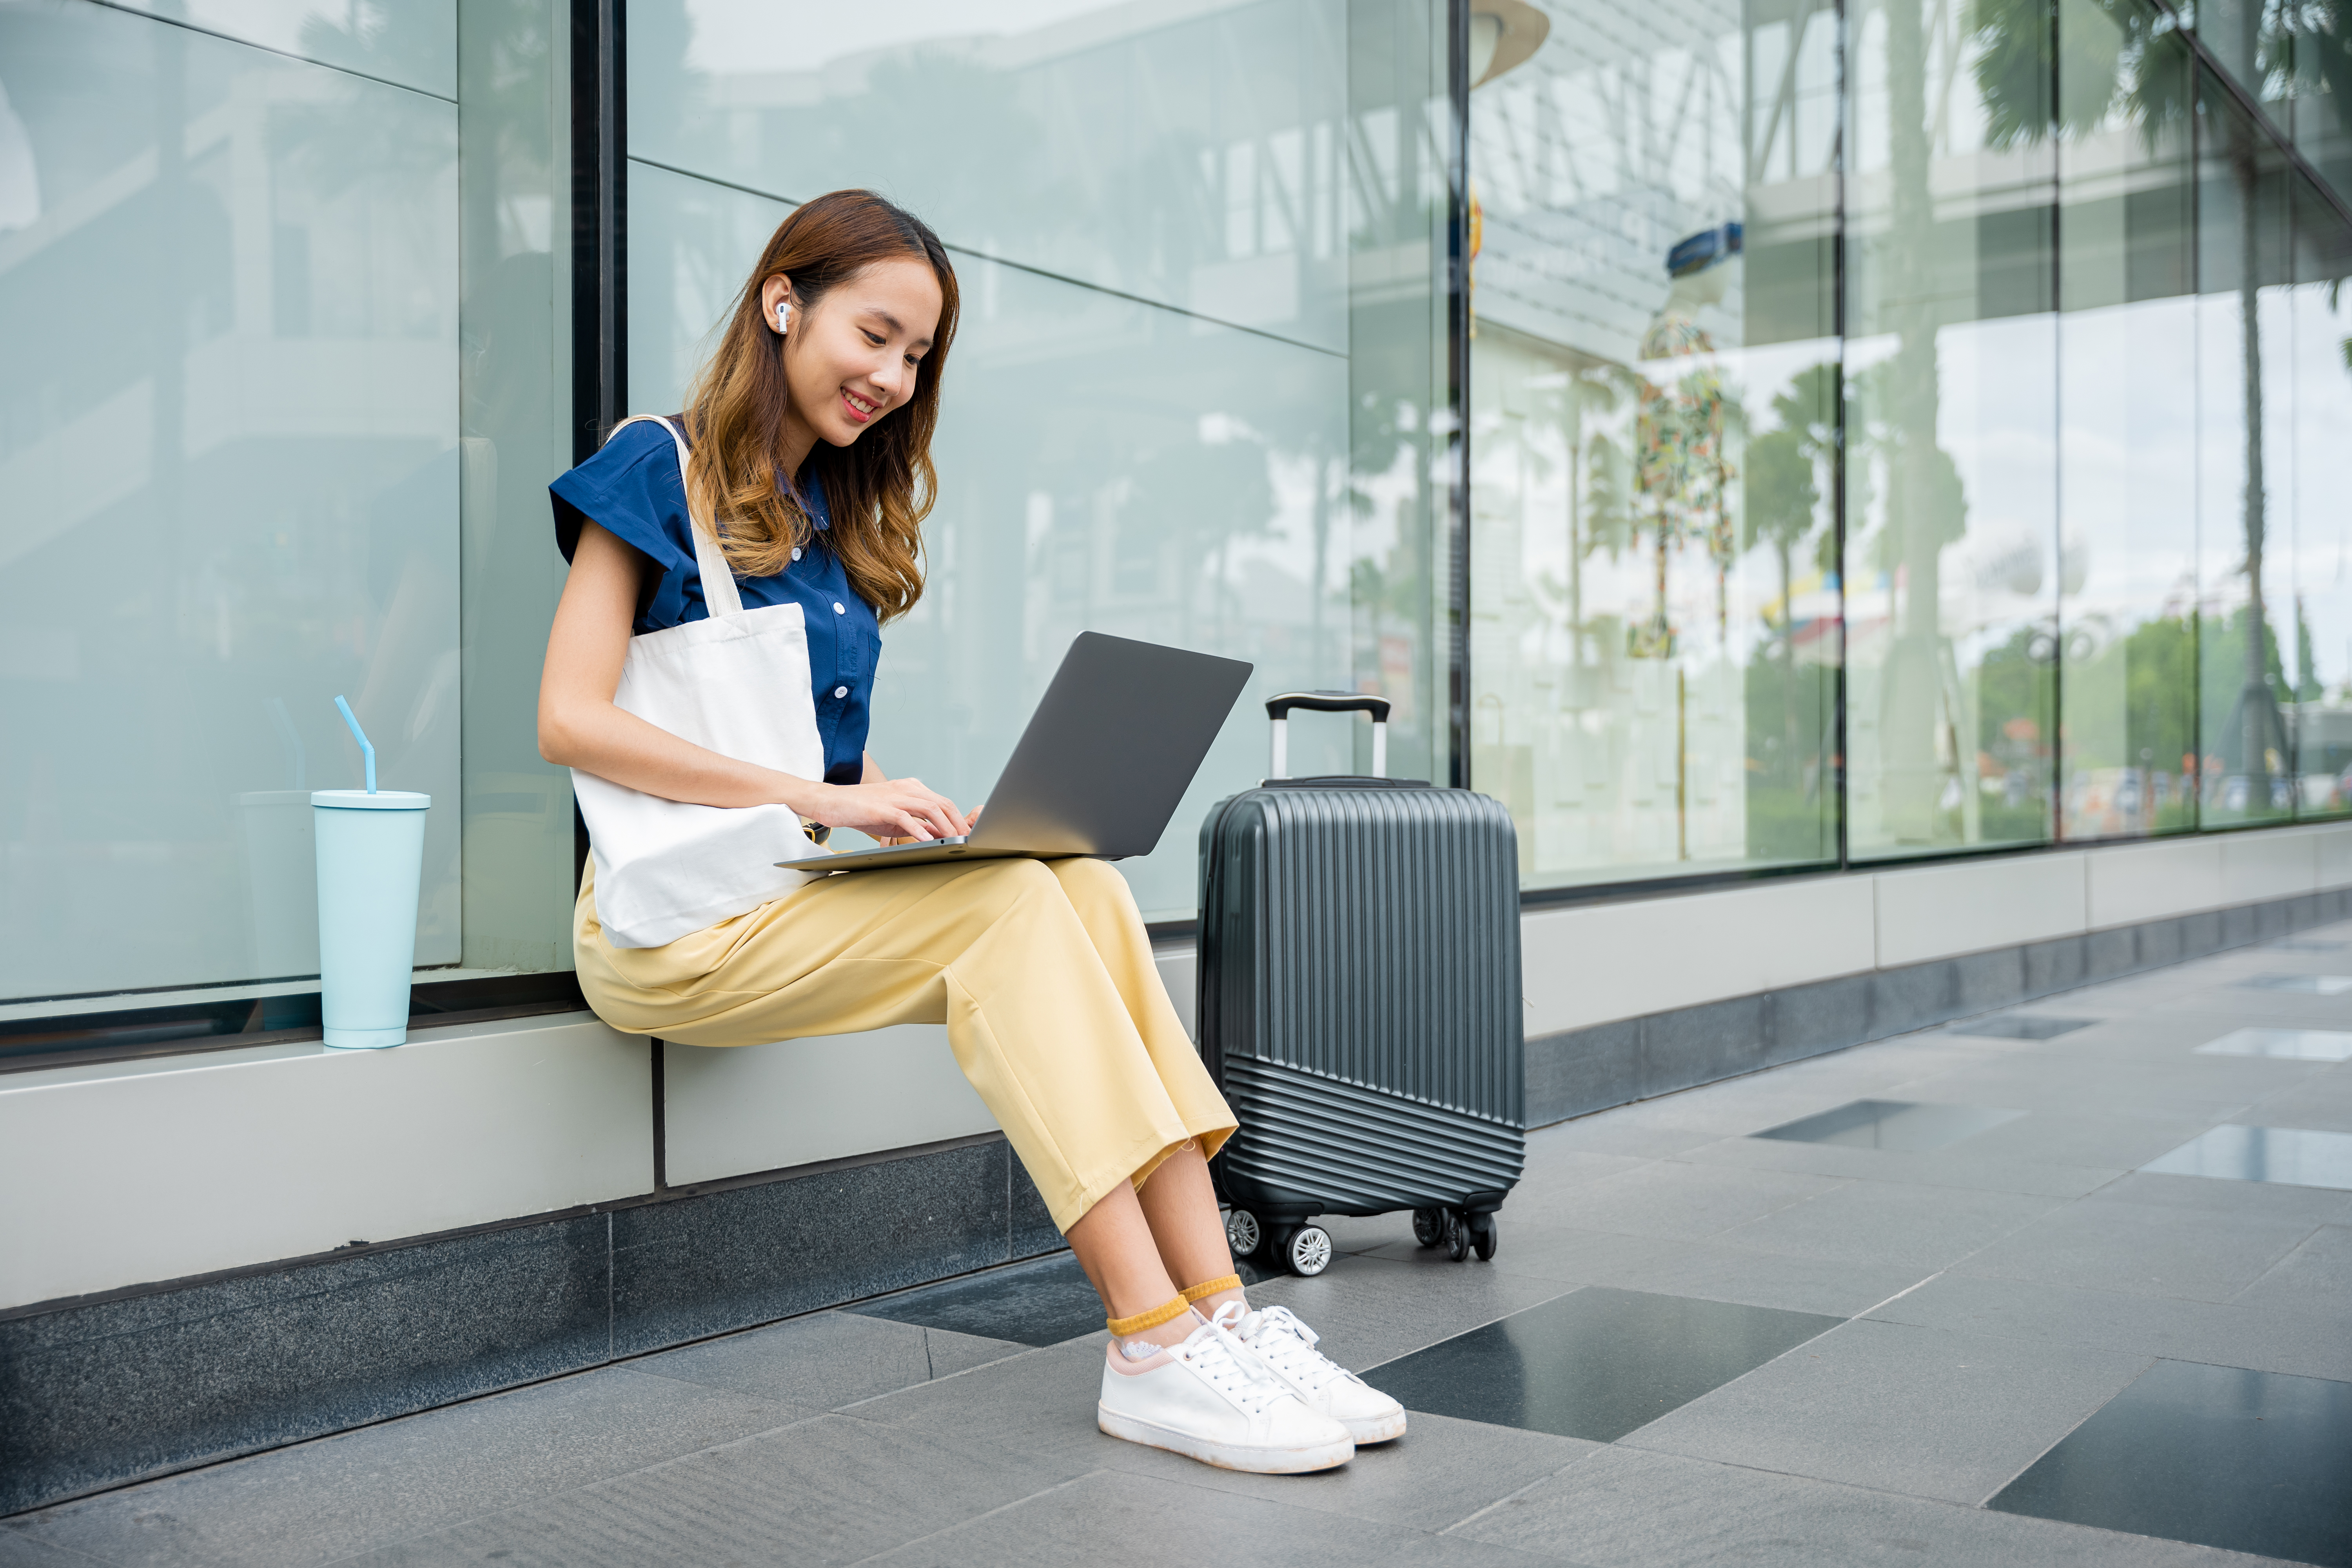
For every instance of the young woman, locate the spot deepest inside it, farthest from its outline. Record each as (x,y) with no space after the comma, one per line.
(810,433)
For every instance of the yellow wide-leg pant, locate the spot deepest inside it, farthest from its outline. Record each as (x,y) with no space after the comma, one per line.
(1041,970)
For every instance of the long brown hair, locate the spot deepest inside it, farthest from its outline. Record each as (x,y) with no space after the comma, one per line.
(878,489)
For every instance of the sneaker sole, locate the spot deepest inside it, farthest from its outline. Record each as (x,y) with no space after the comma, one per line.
(1376,1429)
(1225,1456)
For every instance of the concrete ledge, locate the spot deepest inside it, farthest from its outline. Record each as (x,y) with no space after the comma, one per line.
(761,1108)
(184,1165)
(1575,1071)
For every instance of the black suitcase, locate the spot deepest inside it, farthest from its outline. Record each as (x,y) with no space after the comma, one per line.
(1359,1004)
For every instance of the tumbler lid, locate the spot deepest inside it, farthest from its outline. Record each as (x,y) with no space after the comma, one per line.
(361,800)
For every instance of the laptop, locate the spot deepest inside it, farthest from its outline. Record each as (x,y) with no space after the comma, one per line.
(1114,744)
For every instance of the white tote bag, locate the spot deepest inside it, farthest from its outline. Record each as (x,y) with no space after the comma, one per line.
(736,684)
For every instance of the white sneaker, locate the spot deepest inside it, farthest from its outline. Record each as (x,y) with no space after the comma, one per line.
(1209,1400)
(1287,1348)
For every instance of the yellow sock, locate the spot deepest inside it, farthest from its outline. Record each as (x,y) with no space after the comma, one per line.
(1167,1312)
(1206,1288)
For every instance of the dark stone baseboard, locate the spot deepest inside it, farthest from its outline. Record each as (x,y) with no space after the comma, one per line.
(100,1391)
(1580,1071)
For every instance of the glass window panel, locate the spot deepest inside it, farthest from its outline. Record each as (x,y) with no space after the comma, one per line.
(228,491)
(1654,390)
(2247,642)
(1951,561)
(1116,463)
(2127,423)
(2320,318)
(2242,35)
(411,42)
(1194,155)
(515,407)
(2317,41)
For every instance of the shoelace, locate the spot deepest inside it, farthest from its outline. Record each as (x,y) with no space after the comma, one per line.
(1208,1353)
(1288,1344)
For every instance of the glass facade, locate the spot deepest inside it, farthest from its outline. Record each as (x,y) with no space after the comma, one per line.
(1906,430)
(1761,434)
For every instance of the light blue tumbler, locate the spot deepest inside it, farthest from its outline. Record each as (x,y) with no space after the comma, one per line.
(371,847)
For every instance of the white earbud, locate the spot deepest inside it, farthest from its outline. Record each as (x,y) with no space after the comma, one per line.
(784,318)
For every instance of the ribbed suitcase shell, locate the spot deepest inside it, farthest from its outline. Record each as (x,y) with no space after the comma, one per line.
(1360,999)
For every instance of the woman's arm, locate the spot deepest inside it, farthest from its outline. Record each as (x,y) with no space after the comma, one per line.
(579,726)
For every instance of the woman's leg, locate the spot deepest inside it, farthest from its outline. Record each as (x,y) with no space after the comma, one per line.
(1179,1202)
(1181,1205)
(1176,1198)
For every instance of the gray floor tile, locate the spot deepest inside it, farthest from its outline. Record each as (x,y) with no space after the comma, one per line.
(2287,1156)
(1926,1412)
(832,1491)
(2268,1200)
(1349,1234)
(1595,1364)
(1627,1509)
(2315,1278)
(2142,1249)
(1613,1132)
(1673,1199)
(1440,1472)
(1556,1170)
(1945,1168)
(1547,1250)
(19,1549)
(2247,1461)
(825,1359)
(1908,1126)
(1712,1269)
(1039,1403)
(1140,1521)
(2294,1045)
(2291,1337)
(342,1495)
(1920,1227)
(2067,1136)
(1371,1310)
(1041,1302)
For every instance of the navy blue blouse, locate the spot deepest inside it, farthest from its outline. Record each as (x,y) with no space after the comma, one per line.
(633,489)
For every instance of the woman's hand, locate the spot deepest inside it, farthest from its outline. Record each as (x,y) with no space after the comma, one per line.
(892,811)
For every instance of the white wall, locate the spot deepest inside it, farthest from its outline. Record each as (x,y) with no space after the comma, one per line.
(1596,963)
(148,1171)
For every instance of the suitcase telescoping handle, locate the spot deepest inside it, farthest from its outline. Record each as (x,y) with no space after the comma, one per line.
(1278,710)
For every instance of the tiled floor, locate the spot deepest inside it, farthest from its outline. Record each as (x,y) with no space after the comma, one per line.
(2068,1285)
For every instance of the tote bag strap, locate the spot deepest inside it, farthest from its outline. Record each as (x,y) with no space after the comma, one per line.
(719,596)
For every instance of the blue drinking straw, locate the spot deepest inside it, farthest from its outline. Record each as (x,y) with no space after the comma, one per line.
(361,736)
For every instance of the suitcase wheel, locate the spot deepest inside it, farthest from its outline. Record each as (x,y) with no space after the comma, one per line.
(1305,1251)
(1429,1226)
(1457,1237)
(1484,1234)
(1243,1233)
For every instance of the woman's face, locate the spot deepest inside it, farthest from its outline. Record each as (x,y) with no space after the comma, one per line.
(850,360)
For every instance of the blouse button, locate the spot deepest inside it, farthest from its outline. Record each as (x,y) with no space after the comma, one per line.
(796,554)
(837,609)
(841,691)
